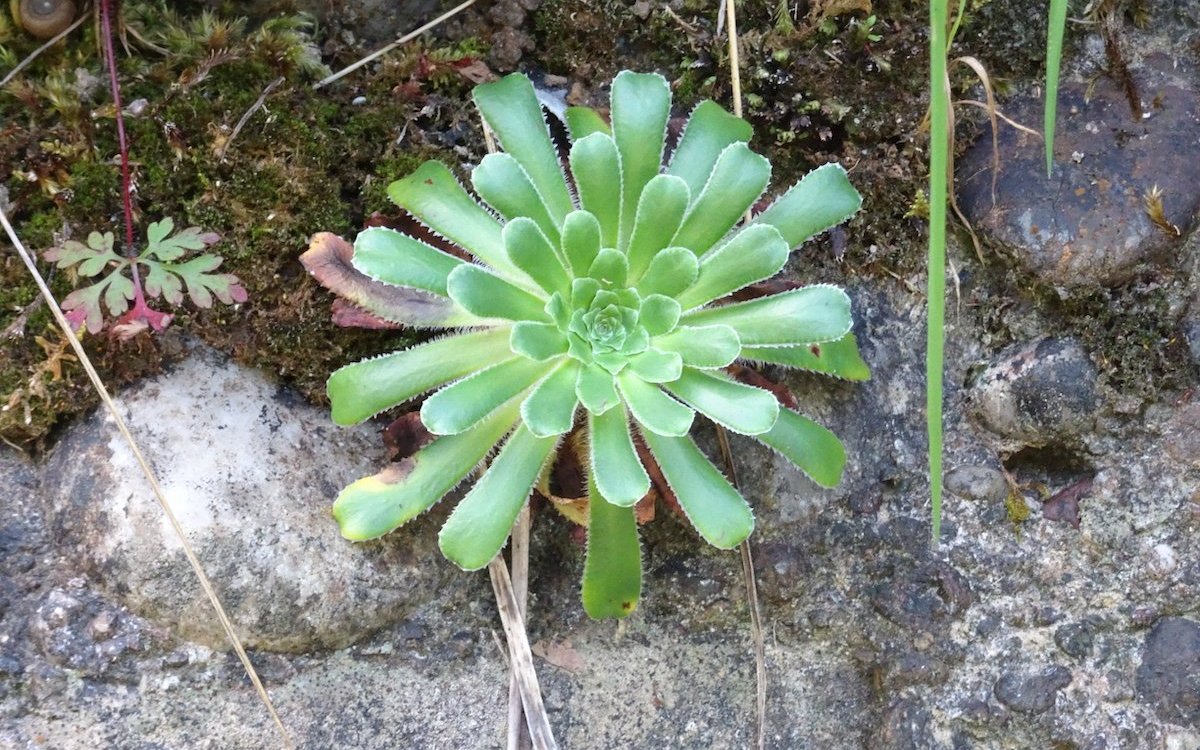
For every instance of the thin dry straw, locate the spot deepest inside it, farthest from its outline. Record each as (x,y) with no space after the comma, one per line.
(37,52)
(197,568)
(402,40)
(760,651)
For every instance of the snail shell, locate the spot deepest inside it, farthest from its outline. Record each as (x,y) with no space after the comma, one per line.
(43,18)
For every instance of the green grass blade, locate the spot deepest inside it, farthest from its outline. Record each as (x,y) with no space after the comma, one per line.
(1054,44)
(939,145)
(612,570)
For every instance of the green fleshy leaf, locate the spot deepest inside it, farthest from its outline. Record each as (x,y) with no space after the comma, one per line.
(838,358)
(738,179)
(654,409)
(489,296)
(709,131)
(397,259)
(813,314)
(581,241)
(609,268)
(479,526)
(660,213)
(656,366)
(814,449)
(659,314)
(615,466)
(741,408)
(583,291)
(505,185)
(583,121)
(612,570)
(375,505)
(461,405)
(671,271)
(641,103)
(754,254)
(558,310)
(433,195)
(596,167)
(823,198)
(538,341)
(531,251)
(363,389)
(714,507)
(706,347)
(511,108)
(550,407)
(595,389)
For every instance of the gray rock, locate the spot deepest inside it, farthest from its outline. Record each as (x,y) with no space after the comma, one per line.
(1037,393)
(1169,678)
(250,475)
(1088,223)
(981,483)
(1076,638)
(1182,434)
(1032,693)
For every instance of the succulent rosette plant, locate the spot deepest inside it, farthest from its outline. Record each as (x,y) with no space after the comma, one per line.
(598,300)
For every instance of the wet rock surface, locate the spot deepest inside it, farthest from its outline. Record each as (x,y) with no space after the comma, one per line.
(1088,222)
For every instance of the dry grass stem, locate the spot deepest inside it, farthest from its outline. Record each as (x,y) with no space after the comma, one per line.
(518,734)
(241,123)
(520,656)
(756,630)
(37,52)
(402,40)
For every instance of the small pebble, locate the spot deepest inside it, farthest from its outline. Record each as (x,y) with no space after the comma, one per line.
(358,101)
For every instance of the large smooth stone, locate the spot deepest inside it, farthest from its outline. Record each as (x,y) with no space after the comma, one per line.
(250,471)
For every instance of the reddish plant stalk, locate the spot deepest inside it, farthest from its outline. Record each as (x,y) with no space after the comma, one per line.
(141,314)
(126,183)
